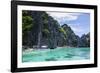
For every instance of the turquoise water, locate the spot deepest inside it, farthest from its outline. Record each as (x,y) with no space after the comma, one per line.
(58,54)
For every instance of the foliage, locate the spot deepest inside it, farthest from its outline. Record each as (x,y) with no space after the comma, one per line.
(27,23)
(46,33)
(63,31)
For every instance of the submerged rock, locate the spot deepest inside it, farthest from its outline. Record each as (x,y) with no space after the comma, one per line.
(51,59)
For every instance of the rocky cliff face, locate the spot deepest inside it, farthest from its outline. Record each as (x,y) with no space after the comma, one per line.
(71,38)
(41,29)
(85,40)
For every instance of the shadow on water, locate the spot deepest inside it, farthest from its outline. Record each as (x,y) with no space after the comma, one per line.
(51,59)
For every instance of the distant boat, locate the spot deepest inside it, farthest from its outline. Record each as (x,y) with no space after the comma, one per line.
(44,47)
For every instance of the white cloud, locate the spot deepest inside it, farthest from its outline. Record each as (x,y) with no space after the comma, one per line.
(78,30)
(76,27)
(64,16)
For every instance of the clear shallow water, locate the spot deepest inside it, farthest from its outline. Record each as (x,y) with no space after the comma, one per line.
(57,54)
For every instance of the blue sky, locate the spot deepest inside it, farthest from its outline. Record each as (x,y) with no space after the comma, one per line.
(79,22)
